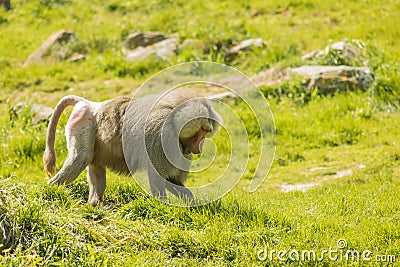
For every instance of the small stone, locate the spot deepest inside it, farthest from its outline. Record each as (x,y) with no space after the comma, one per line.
(192,43)
(59,38)
(41,112)
(223,96)
(312,55)
(164,49)
(346,51)
(144,39)
(77,57)
(6,4)
(274,75)
(330,79)
(245,45)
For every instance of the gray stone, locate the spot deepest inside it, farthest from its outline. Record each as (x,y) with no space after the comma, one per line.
(245,45)
(164,49)
(6,4)
(192,44)
(77,57)
(223,96)
(274,75)
(348,52)
(41,112)
(144,39)
(330,79)
(42,53)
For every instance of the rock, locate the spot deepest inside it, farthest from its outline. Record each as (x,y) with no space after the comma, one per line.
(330,79)
(167,48)
(192,44)
(6,4)
(164,49)
(77,57)
(223,96)
(245,45)
(274,75)
(41,112)
(44,52)
(344,52)
(144,39)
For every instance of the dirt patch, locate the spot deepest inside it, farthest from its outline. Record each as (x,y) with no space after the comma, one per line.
(297,187)
(303,187)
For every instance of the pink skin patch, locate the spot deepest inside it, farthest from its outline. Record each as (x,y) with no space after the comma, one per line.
(77,116)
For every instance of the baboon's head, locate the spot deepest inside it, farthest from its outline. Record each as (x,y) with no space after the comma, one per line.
(195,120)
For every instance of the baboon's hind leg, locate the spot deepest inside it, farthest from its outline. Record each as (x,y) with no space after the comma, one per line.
(80,134)
(96,176)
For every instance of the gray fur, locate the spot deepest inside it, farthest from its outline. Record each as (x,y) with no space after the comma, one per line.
(95,141)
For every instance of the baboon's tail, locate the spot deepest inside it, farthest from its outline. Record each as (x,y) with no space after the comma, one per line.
(49,157)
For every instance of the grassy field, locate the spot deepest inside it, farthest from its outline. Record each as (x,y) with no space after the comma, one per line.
(345,147)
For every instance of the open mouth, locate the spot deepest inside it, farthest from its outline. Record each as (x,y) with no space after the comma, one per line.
(197,147)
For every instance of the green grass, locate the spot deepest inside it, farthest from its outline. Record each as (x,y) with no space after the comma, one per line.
(316,137)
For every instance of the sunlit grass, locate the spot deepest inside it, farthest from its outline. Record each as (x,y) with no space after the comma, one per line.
(316,137)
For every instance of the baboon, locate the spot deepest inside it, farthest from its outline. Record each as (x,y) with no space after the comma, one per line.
(154,127)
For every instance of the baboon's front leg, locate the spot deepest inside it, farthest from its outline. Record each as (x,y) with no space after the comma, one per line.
(178,189)
(157,183)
